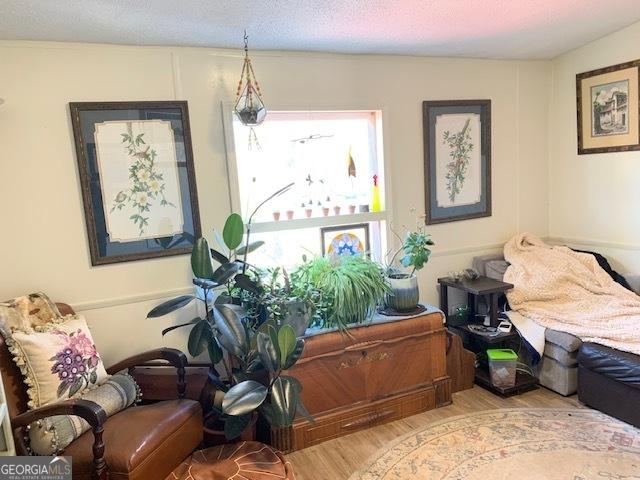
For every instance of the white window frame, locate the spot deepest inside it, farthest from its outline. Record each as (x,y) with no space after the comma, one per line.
(385,216)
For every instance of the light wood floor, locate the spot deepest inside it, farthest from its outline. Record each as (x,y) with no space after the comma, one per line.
(338,459)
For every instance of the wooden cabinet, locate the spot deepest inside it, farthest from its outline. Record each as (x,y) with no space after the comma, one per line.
(375,374)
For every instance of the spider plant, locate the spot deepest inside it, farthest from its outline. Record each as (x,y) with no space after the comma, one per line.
(350,287)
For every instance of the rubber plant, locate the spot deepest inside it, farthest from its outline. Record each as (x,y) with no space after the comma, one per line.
(256,353)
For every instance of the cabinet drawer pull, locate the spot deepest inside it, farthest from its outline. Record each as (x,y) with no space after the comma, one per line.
(366,420)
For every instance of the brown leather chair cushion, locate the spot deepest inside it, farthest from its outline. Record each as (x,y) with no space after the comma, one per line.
(142,443)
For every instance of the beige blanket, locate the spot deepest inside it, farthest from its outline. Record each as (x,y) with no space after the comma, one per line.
(568,291)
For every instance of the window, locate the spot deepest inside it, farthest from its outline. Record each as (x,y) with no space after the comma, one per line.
(330,156)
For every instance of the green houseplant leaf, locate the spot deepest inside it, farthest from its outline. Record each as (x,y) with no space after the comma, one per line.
(205,283)
(273,335)
(252,247)
(225,272)
(221,258)
(214,350)
(301,409)
(243,281)
(201,260)
(223,299)
(244,398)
(286,343)
(170,306)
(295,355)
(284,399)
(198,338)
(233,231)
(267,352)
(228,320)
(173,327)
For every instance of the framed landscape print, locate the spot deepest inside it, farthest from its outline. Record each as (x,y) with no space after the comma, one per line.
(345,240)
(457,159)
(138,184)
(608,109)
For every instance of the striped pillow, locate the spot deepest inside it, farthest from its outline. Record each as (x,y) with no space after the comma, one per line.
(53,434)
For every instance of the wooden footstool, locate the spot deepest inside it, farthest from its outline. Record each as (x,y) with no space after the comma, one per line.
(247,460)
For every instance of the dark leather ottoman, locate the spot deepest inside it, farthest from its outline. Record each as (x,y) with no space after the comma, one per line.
(609,380)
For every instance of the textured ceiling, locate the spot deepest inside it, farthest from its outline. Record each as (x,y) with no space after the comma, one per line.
(465,28)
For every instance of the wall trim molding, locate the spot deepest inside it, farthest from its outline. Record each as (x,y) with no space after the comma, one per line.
(143,297)
(470,249)
(592,243)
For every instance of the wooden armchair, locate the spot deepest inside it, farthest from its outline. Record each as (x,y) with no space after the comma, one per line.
(140,442)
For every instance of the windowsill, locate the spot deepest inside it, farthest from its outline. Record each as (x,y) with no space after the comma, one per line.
(298,223)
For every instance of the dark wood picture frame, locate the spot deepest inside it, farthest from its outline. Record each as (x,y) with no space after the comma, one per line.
(430,110)
(90,178)
(338,228)
(580,78)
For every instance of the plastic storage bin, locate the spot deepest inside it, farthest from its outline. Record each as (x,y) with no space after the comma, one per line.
(502,367)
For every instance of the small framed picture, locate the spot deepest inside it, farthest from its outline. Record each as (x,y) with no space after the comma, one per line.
(457,159)
(345,240)
(608,109)
(138,183)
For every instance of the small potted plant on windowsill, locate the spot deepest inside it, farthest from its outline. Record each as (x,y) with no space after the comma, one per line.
(415,251)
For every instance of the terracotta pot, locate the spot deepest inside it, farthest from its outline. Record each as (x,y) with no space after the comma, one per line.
(308,212)
(404,294)
(290,214)
(325,211)
(336,210)
(352,209)
(276,216)
(213,431)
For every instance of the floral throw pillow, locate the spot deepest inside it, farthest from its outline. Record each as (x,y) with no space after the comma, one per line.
(27,312)
(58,360)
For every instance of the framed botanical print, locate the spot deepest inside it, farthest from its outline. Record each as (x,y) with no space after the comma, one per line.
(138,183)
(345,240)
(608,109)
(457,159)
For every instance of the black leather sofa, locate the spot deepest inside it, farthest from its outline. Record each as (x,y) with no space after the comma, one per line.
(609,381)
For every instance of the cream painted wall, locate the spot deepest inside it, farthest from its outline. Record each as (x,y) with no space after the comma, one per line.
(593,199)
(43,244)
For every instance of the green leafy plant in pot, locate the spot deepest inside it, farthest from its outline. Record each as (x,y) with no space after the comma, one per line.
(413,254)
(284,304)
(345,289)
(254,352)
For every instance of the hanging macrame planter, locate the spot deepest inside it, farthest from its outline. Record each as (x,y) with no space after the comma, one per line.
(249,107)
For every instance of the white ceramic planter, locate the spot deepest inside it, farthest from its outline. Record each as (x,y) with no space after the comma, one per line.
(404,294)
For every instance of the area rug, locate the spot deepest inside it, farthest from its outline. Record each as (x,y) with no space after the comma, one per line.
(513,444)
